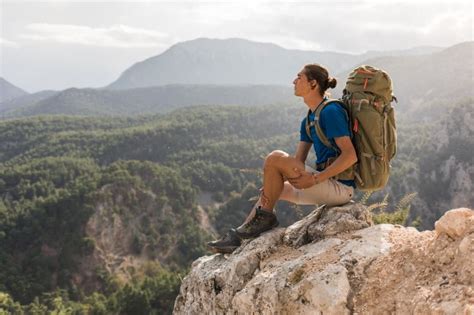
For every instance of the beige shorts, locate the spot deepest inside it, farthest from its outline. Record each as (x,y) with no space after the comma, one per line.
(330,192)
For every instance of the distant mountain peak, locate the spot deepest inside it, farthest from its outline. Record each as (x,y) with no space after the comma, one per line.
(461,46)
(8,91)
(231,61)
(230,40)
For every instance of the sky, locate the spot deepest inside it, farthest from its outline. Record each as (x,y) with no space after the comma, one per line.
(61,44)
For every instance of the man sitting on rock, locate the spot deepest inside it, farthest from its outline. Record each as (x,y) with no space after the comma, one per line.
(287,178)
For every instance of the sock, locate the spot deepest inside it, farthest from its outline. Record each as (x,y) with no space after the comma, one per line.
(266,210)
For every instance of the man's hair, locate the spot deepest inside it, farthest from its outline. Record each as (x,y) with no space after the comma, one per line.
(319,73)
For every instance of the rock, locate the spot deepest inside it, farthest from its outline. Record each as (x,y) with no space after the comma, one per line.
(215,279)
(327,221)
(466,247)
(456,223)
(335,261)
(252,279)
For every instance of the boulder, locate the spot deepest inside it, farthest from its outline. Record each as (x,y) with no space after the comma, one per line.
(456,222)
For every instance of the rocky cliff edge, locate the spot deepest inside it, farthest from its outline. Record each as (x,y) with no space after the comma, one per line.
(335,261)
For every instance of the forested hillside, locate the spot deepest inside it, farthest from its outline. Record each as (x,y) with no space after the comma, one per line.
(142,101)
(88,205)
(105,214)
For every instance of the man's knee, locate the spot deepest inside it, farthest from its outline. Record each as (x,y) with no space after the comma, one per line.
(275,157)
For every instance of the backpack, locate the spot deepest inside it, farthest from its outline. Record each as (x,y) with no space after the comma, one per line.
(367,99)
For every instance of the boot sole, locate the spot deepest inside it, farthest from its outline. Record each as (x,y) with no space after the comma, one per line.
(243,235)
(222,250)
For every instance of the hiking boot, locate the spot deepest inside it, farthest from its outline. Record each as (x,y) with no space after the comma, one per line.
(226,244)
(261,222)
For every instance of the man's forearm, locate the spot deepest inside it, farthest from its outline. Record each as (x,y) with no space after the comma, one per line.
(343,162)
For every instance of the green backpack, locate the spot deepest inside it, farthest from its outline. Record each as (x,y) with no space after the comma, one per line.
(367,100)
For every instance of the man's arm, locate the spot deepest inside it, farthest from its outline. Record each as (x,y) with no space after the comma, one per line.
(346,159)
(302,151)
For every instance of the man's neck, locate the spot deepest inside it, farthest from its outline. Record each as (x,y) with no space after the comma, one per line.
(312,101)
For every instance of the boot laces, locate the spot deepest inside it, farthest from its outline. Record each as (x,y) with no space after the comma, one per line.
(226,237)
(256,220)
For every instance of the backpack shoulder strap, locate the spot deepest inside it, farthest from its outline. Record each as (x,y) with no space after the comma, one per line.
(308,125)
(319,131)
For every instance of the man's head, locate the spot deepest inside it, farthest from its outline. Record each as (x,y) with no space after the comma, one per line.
(313,78)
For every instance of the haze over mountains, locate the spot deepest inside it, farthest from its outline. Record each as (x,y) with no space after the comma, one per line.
(242,72)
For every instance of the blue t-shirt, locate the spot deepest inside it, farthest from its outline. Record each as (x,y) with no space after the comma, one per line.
(334,123)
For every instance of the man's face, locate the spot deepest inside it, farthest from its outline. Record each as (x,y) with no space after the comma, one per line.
(302,86)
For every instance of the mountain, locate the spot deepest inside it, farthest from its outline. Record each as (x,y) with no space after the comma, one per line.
(24,101)
(440,77)
(150,100)
(420,50)
(227,61)
(9,91)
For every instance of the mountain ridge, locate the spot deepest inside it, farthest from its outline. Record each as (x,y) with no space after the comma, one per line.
(9,91)
(211,61)
(148,100)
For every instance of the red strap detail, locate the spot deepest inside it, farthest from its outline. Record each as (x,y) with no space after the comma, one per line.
(362,71)
(356,126)
(378,106)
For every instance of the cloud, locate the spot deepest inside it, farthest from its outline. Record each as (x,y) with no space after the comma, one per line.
(122,36)
(8,43)
(365,25)
(337,25)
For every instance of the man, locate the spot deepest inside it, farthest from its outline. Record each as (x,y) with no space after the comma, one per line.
(287,178)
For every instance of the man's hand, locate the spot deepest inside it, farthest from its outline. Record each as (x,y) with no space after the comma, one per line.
(304,180)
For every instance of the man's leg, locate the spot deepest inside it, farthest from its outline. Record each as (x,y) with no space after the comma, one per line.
(278,166)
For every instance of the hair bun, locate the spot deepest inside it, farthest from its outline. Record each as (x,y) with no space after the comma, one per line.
(332,82)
